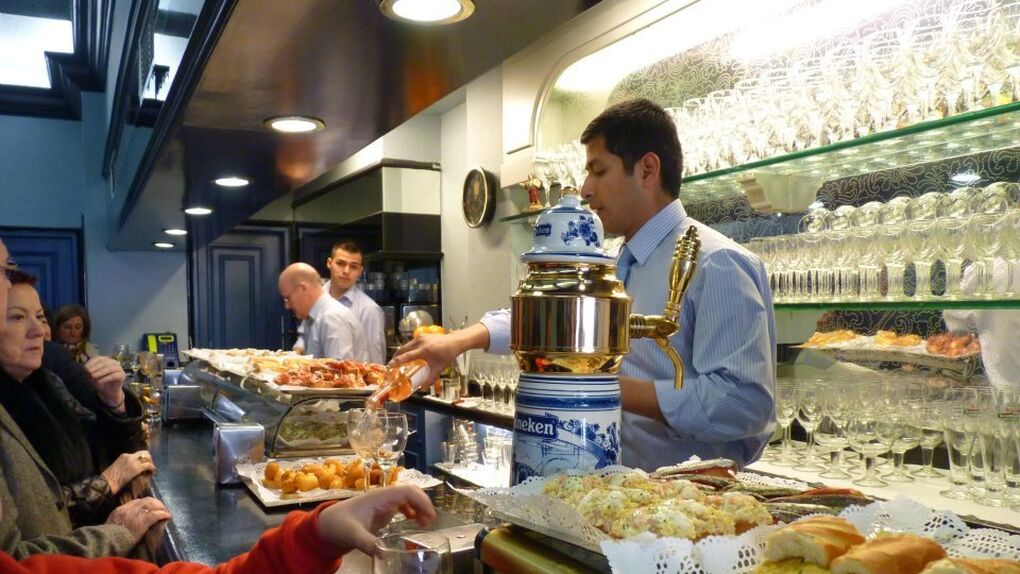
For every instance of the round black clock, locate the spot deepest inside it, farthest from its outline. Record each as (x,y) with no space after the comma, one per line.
(479,202)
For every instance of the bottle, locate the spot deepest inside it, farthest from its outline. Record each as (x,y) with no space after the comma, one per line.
(400,383)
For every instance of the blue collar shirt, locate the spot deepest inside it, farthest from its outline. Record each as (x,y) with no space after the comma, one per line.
(371,317)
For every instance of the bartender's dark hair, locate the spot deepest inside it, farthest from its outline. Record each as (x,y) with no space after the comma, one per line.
(347,245)
(636,127)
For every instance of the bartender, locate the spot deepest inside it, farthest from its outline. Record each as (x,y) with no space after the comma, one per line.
(328,329)
(727,334)
(345,264)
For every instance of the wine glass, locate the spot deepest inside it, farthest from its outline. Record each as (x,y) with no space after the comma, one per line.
(122,354)
(412,552)
(395,431)
(926,417)
(831,429)
(871,437)
(959,442)
(786,411)
(808,412)
(366,434)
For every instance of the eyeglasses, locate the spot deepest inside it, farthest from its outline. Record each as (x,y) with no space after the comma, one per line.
(9,269)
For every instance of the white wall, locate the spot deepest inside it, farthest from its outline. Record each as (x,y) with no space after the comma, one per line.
(477,263)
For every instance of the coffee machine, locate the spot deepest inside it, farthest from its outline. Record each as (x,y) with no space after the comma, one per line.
(570,328)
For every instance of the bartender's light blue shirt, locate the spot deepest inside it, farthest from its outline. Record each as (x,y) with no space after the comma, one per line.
(372,319)
(727,341)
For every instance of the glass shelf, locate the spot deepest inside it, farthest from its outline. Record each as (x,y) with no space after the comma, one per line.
(953,136)
(518,217)
(931,305)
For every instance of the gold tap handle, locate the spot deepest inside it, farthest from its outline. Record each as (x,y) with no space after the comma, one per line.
(674,357)
(681,271)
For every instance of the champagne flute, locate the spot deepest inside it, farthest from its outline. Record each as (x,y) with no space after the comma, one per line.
(808,412)
(786,410)
(958,441)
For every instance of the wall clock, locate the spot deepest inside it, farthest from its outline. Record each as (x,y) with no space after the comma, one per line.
(479,202)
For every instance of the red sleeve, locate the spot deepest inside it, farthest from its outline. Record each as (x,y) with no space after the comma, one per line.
(294,546)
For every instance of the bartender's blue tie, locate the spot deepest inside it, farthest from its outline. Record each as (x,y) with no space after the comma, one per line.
(623,262)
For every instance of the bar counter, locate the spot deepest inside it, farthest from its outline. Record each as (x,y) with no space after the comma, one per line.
(212,523)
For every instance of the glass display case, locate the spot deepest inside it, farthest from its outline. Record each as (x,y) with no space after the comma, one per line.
(296,424)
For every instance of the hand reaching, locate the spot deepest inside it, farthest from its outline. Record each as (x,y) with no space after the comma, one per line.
(354,522)
(138,516)
(126,467)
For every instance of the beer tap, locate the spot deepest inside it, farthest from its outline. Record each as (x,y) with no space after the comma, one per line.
(661,328)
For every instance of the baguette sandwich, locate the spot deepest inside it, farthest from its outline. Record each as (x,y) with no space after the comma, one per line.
(809,546)
(889,554)
(973,566)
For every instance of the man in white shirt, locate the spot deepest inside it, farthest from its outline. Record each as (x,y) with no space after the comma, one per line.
(328,328)
(345,265)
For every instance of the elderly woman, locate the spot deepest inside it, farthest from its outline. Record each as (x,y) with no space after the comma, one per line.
(72,327)
(46,452)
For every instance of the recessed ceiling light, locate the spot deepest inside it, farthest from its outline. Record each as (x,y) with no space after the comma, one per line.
(295,124)
(197,210)
(231,181)
(428,11)
(163,245)
(965,178)
(175,231)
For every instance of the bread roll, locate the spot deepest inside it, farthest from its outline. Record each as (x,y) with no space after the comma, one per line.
(818,540)
(973,566)
(891,554)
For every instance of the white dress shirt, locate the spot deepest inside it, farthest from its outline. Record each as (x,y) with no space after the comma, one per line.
(727,341)
(372,318)
(332,331)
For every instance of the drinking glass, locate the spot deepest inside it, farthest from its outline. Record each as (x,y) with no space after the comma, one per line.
(995,427)
(365,432)
(122,354)
(949,232)
(871,438)
(891,221)
(412,552)
(786,410)
(808,412)
(395,431)
(927,418)
(959,443)
(832,438)
(908,437)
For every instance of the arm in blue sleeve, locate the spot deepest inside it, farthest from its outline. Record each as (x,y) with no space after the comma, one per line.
(498,324)
(727,394)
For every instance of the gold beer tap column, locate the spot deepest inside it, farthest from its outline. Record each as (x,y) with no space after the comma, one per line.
(661,328)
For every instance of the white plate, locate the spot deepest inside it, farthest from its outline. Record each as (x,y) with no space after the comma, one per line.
(252,474)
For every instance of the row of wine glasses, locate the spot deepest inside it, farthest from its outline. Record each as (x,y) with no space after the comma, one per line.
(563,167)
(979,425)
(948,58)
(149,387)
(840,255)
(497,374)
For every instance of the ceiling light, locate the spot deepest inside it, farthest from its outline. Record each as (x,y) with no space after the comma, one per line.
(175,231)
(428,11)
(163,245)
(231,181)
(197,210)
(294,124)
(965,178)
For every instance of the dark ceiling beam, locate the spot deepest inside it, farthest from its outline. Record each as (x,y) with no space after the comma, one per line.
(54,9)
(173,23)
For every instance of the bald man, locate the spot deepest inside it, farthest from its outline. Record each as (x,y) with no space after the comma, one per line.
(329,329)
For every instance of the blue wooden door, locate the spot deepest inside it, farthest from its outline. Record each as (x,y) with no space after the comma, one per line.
(54,257)
(235,299)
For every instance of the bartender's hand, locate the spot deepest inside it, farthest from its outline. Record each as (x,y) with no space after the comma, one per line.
(108,378)
(354,522)
(126,468)
(139,515)
(439,351)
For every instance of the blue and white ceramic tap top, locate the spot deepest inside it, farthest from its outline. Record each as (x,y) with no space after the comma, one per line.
(569,233)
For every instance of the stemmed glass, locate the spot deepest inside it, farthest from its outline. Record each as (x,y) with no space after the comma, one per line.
(365,432)
(809,410)
(483,373)
(831,430)
(949,231)
(871,436)
(122,354)
(786,410)
(927,418)
(395,431)
(890,233)
(959,442)
(994,432)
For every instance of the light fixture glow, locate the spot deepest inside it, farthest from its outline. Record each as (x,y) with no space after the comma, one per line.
(163,245)
(175,231)
(965,178)
(294,124)
(197,210)
(231,181)
(428,11)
